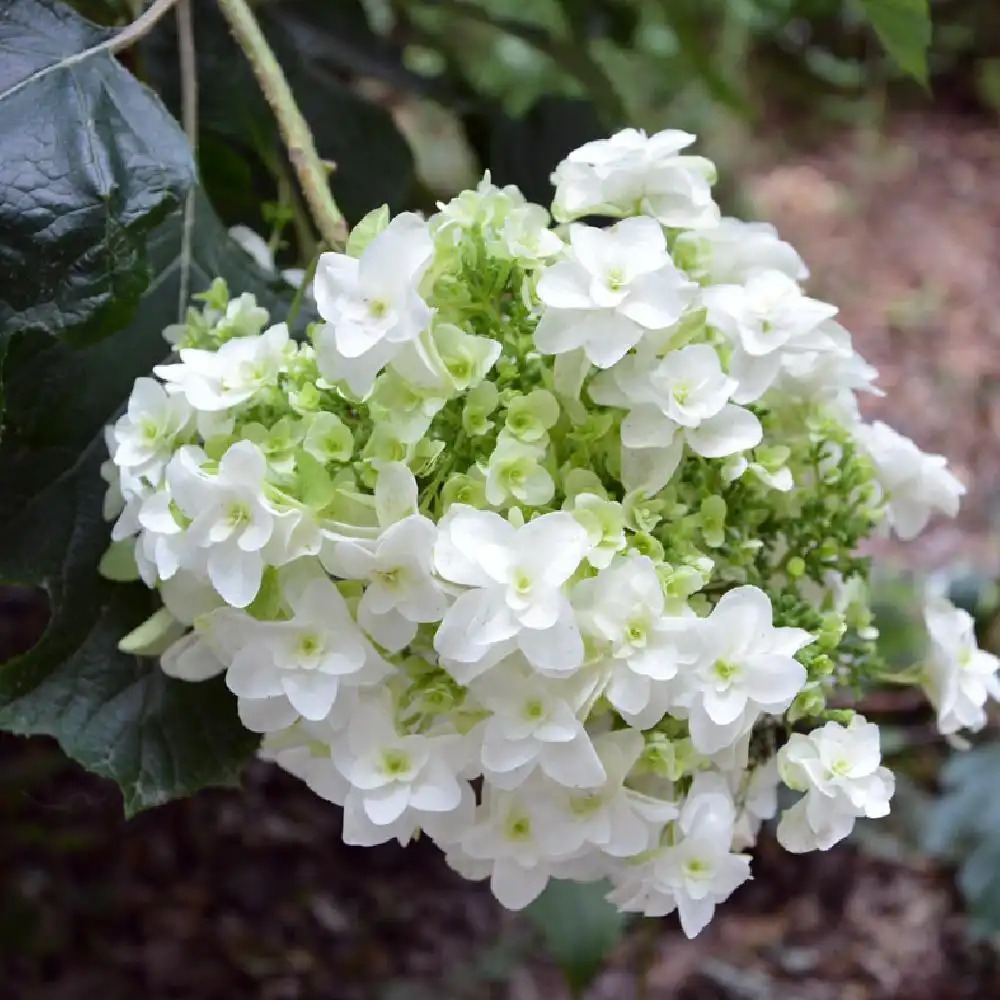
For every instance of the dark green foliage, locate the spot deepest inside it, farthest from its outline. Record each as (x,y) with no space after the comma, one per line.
(579,928)
(91,164)
(116,714)
(964,828)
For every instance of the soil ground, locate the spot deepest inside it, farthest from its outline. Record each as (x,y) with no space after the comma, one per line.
(252,893)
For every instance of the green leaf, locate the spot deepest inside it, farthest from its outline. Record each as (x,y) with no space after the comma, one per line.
(366,230)
(91,164)
(964,827)
(580,928)
(571,55)
(118,562)
(118,715)
(904,28)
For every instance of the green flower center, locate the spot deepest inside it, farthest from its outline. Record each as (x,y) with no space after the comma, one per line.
(518,828)
(395,763)
(697,870)
(238,513)
(725,671)
(534,710)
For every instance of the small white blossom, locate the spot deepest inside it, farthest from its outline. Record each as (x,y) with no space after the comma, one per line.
(229,516)
(745,667)
(914,483)
(680,399)
(960,676)
(515,598)
(727,254)
(623,610)
(635,173)
(614,285)
(398,568)
(400,782)
(838,768)
(611,817)
(511,843)
(514,474)
(533,724)
(525,237)
(372,304)
(147,435)
(829,373)
(306,659)
(763,319)
(233,374)
(698,871)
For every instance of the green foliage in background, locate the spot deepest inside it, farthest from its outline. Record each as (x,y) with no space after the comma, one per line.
(964,829)
(579,928)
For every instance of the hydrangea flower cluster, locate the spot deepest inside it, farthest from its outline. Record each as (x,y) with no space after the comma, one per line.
(545,542)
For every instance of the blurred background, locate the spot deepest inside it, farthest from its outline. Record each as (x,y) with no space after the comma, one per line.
(890,189)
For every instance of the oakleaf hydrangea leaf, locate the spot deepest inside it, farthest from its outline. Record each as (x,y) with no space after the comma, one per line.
(116,714)
(92,163)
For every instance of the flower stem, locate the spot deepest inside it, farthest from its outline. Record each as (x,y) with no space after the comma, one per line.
(140,27)
(309,168)
(189,114)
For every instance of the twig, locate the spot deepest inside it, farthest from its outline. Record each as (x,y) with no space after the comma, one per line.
(189,116)
(309,168)
(140,27)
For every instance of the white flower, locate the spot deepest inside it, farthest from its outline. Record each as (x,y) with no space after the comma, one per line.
(515,474)
(727,254)
(398,569)
(525,237)
(915,484)
(830,373)
(960,676)
(511,843)
(233,374)
(605,523)
(614,285)
(372,305)
(242,317)
(695,873)
(763,319)
(611,817)
(148,433)
(838,769)
(759,802)
(188,597)
(303,749)
(229,516)
(190,659)
(635,173)
(446,360)
(400,782)
(533,724)
(306,659)
(624,610)
(681,398)
(515,576)
(745,667)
